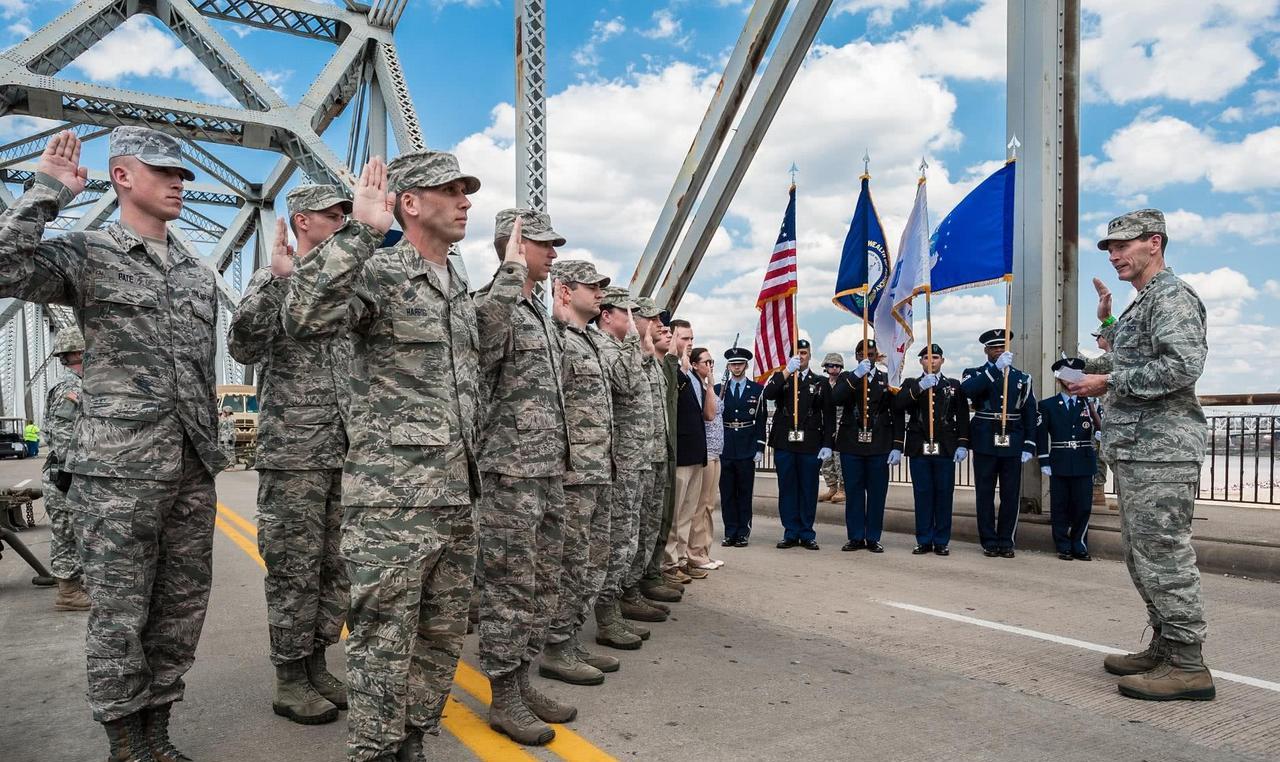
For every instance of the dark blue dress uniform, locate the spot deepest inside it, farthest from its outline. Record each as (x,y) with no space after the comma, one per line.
(984,386)
(864,464)
(744,428)
(933,477)
(1066,443)
(797,462)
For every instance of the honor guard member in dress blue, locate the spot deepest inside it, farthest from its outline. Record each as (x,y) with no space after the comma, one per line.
(866,450)
(999,450)
(799,450)
(933,453)
(744,430)
(1065,441)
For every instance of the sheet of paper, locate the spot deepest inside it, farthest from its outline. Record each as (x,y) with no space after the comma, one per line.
(1070,375)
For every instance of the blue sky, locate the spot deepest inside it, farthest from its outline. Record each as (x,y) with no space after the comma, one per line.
(1180,112)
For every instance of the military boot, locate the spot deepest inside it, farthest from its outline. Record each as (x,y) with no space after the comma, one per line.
(656,590)
(297,700)
(838,497)
(635,607)
(156,720)
(1182,675)
(825,497)
(71,596)
(599,661)
(1136,664)
(323,680)
(560,662)
(127,737)
(508,713)
(411,747)
(638,630)
(611,632)
(543,706)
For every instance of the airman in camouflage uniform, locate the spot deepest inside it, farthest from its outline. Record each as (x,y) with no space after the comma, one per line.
(1154,438)
(227,433)
(60,411)
(304,406)
(577,290)
(524,452)
(410,476)
(144,448)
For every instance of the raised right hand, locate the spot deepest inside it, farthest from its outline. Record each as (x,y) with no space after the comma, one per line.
(281,252)
(61,161)
(1104,299)
(371,203)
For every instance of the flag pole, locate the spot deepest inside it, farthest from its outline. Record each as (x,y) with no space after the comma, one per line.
(795,331)
(928,348)
(1008,326)
(866,299)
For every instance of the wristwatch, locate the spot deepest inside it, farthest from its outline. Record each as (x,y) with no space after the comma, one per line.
(1111,382)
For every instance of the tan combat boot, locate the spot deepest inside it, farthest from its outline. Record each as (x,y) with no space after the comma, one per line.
(71,596)
(599,661)
(297,700)
(838,497)
(660,591)
(1135,664)
(825,497)
(561,662)
(157,725)
(508,713)
(127,737)
(1182,675)
(635,607)
(611,632)
(543,706)
(639,631)
(323,680)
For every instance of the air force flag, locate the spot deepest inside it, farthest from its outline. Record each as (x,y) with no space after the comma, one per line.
(864,262)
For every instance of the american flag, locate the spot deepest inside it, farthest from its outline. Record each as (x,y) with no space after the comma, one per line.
(775,337)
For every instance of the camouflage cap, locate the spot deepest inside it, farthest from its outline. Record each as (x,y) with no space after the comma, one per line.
(535,225)
(578,271)
(315,198)
(647,307)
(617,296)
(151,147)
(1130,225)
(833,358)
(68,340)
(426,169)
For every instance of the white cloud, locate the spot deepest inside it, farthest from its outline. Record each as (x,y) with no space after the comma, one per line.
(1238,343)
(973,48)
(602,31)
(141,48)
(1272,287)
(15,127)
(666,27)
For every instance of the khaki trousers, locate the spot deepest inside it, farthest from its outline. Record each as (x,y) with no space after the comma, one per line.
(688,493)
(702,530)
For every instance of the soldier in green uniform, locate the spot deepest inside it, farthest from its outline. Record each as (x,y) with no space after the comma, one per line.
(410,479)
(1154,438)
(60,411)
(144,449)
(304,406)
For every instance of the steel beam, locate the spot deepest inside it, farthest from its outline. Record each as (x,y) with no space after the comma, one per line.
(395,92)
(793,45)
(531,104)
(758,32)
(315,21)
(194,193)
(29,148)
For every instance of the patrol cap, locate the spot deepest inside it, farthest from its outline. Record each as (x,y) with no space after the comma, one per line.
(802,344)
(833,358)
(864,345)
(68,340)
(646,307)
(151,147)
(937,351)
(535,225)
(619,297)
(315,198)
(578,271)
(1075,363)
(1131,225)
(993,337)
(426,169)
(737,354)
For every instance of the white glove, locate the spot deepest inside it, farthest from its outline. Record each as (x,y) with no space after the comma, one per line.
(961,454)
(1046,470)
(824,453)
(1026,456)
(1004,360)
(1097,435)
(928,380)
(895,457)
(759,459)
(793,365)
(863,368)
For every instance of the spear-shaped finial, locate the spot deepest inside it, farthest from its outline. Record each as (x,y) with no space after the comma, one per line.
(794,169)
(1013,148)
(924,167)
(866,162)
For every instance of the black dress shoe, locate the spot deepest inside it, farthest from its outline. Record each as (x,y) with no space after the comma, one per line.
(989,553)
(920,550)
(874,546)
(1064,556)
(809,544)
(741,542)
(1007,553)
(854,545)
(787,544)
(1082,556)
(941,550)
(728,542)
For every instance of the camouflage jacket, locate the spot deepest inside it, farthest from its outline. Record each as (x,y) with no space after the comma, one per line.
(304,387)
(149,336)
(226,429)
(588,408)
(1158,353)
(662,444)
(60,410)
(414,369)
(633,418)
(523,429)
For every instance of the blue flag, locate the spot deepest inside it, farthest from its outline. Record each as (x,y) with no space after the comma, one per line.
(864,262)
(974,244)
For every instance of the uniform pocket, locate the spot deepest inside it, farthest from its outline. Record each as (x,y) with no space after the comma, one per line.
(284,547)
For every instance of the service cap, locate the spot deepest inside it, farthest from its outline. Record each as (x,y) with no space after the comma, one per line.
(1130,225)
(427,169)
(151,147)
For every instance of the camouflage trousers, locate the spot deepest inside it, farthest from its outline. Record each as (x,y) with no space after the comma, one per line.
(410,570)
(831,473)
(1100,476)
(1157,501)
(147,550)
(299,526)
(666,516)
(649,519)
(64,559)
(627,495)
(585,559)
(521,522)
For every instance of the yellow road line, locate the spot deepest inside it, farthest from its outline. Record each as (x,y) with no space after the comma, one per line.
(247,526)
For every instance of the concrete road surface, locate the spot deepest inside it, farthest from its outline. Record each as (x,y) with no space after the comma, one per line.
(780,655)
